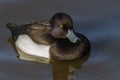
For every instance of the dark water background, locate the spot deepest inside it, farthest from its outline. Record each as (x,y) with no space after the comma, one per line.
(99,20)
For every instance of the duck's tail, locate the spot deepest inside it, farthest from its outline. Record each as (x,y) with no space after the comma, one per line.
(11,26)
(16,30)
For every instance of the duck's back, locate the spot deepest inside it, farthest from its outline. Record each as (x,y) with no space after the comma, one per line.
(38,31)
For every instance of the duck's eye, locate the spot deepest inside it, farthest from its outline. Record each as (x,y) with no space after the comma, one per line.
(61,26)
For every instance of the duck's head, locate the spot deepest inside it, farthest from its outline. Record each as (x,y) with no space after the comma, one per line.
(62,27)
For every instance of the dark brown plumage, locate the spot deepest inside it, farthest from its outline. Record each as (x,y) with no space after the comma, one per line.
(63,49)
(65,43)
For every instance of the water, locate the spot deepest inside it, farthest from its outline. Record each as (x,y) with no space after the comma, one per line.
(98,20)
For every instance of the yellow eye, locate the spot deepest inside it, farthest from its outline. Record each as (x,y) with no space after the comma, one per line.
(61,26)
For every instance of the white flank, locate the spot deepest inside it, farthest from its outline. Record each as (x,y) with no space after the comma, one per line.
(27,45)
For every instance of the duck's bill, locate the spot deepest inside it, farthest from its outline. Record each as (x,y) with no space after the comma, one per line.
(72,37)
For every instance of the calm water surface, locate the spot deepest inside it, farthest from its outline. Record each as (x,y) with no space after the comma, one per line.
(99,20)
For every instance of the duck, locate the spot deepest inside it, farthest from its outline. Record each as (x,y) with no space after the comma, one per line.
(54,39)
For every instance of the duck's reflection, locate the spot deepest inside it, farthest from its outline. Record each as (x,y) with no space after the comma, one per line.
(66,70)
(61,70)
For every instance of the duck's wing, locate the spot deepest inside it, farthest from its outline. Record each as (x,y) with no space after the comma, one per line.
(14,26)
(16,29)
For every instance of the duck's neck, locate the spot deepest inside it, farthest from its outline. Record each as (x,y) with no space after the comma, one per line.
(63,40)
(64,43)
